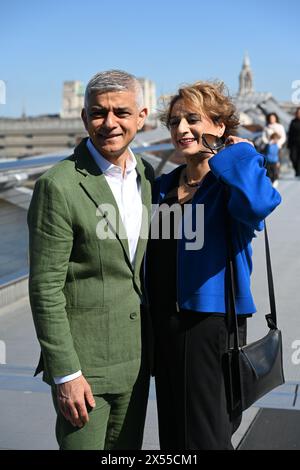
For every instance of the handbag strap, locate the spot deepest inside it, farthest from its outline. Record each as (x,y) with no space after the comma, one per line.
(271,318)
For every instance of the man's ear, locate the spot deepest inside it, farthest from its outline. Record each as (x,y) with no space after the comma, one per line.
(142,117)
(84,118)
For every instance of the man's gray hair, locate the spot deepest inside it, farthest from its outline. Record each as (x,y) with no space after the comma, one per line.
(114,80)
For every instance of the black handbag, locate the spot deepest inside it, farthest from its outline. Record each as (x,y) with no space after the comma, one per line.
(257,368)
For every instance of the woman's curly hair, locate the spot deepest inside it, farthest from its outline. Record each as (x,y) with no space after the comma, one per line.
(208,98)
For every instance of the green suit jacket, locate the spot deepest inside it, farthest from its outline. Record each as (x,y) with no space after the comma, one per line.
(85,294)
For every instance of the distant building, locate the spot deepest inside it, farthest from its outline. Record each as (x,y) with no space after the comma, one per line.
(246,86)
(73,99)
(253,106)
(38,135)
(149,91)
(49,133)
(289,107)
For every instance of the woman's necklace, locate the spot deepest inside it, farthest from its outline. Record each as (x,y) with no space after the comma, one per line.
(197,184)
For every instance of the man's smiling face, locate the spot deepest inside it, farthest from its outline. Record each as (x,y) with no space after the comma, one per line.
(112,120)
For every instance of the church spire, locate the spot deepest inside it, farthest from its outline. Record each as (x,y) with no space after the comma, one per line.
(246,77)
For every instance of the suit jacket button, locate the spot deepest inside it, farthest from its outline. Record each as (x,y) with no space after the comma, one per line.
(133,315)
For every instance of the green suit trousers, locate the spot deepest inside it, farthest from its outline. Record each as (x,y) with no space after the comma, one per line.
(116,423)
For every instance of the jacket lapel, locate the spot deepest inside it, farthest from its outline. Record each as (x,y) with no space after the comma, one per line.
(146,201)
(96,187)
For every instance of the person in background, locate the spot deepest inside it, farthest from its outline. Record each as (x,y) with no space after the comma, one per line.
(273,125)
(272,159)
(294,142)
(186,278)
(86,295)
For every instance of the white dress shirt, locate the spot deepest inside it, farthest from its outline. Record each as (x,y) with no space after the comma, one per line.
(126,191)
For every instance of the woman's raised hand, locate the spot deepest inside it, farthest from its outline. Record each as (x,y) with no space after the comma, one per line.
(232,139)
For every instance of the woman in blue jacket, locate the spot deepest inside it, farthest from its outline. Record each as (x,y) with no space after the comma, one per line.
(187,259)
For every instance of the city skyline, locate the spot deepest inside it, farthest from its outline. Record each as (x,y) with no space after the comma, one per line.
(170,43)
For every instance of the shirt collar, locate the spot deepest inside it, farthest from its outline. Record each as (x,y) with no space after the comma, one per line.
(107,167)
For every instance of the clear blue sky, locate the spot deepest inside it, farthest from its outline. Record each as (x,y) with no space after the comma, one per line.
(44,42)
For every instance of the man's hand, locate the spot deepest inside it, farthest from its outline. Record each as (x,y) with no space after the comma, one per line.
(72,398)
(232,139)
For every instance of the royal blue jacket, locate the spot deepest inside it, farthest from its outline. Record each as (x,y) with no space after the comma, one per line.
(250,199)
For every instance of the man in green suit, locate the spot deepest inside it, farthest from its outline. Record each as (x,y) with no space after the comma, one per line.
(87,223)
